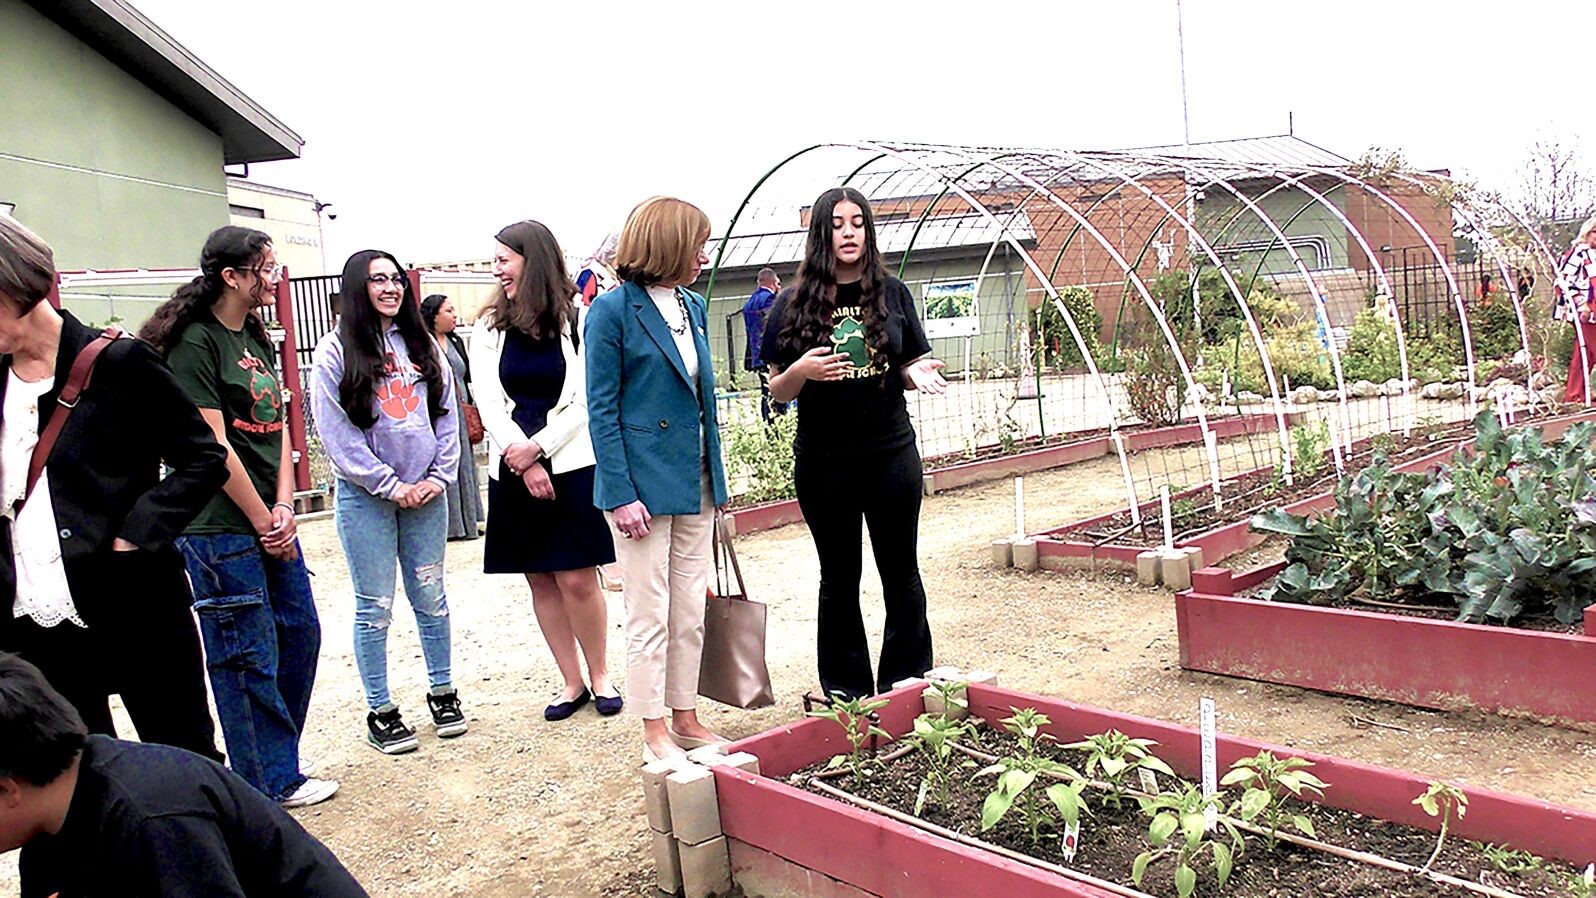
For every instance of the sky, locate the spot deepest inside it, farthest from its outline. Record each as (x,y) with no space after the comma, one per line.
(429,126)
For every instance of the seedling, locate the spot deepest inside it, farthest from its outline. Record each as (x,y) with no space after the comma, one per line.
(1583,885)
(1509,860)
(1017,774)
(1116,755)
(854,716)
(1267,781)
(952,693)
(1184,811)
(1440,800)
(935,735)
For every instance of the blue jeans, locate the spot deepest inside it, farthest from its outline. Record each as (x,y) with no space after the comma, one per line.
(262,638)
(378,536)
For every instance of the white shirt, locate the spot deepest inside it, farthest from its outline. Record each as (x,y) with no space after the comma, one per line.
(674,312)
(42,591)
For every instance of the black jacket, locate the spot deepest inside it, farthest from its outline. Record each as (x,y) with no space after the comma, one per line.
(104,472)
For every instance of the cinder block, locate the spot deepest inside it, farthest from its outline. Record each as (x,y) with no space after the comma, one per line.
(741,760)
(935,705)
(667,863)
(911,681)
(928,484)
(981,678)
(1175,570)
(1147,564)
(1025,557)
(945,673)
(695,813)
(731,526)
(706,754)
(1002,555)
(1194,557)
(655,795)
(706,868)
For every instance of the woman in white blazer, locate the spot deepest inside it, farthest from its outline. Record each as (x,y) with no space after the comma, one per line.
(526,358)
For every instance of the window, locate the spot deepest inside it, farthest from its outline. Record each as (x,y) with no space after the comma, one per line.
(247,211)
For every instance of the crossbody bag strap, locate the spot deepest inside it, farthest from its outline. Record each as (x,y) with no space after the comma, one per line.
(77,382)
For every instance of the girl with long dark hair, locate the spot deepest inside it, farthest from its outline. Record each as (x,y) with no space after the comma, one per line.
(848,339)
(386,415)
(527,353)
(251,588)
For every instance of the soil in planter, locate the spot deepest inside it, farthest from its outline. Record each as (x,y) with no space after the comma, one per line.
(1112,837)
(1541,623)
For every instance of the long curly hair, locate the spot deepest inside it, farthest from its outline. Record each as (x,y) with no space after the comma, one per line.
(360,332)
(240,249)
(811,304)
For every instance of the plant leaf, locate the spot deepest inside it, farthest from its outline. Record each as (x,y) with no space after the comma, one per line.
(992,810)
(1185,880)
(1139,867)
(1222,861)
(1303,825)
(1253,801)
(1162,827)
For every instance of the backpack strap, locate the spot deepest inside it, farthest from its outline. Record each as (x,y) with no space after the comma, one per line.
(77,382)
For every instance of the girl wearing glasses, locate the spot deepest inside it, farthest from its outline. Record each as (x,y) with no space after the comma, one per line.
(251,588)
(386,416)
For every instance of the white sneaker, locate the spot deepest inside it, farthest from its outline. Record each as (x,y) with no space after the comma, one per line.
(311,791)
(307,767)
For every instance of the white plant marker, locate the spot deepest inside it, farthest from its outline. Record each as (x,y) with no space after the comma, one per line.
(1212,440)
(1130,484)
(1149,780)
(1335,445)
(1071,841)
(1019,507)
(1169,522)
(1205,709)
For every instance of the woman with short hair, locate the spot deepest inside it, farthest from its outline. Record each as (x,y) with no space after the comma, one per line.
(651,413)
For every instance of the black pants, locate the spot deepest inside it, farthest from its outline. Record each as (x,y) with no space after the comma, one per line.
(141,644)
(883,488)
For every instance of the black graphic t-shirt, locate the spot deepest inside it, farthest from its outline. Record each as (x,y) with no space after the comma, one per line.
(233,371)
(866,411)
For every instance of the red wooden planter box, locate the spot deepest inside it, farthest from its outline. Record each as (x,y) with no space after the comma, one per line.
(787,841)
(1549,677)
(1057,550)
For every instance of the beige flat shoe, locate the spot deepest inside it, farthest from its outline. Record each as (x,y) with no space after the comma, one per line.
(689,743)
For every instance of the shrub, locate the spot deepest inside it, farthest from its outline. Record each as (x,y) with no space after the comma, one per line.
(760,457)
(1222,320)
(1153,384)
(1051,340)
(1371,352)
(1493,325)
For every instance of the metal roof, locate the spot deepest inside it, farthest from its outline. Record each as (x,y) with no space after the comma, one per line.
(892,237)
(1285,150)
(122,34)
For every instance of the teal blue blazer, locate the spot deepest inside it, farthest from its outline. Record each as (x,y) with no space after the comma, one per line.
(643,412)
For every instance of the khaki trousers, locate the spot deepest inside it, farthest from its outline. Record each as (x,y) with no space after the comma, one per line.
(664,578)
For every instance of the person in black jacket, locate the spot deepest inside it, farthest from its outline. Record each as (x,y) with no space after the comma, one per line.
(91,588)
(96,817)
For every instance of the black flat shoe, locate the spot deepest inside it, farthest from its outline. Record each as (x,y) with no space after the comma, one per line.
(562,710)
(608,705)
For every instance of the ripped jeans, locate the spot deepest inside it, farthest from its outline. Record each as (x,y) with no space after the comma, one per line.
(378,537)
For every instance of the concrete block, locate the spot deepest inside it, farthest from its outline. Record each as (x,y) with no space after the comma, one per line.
(731,526)
(981,678)
(706,754)
(1147,567)
(695,812)
(935,705)
(741,760)
(1194,558)
(655,795)
(911,681)
(706,868)
(667,863)
(1025,557)
(928,484)
(1175,570)
(944,673)
(1002,555)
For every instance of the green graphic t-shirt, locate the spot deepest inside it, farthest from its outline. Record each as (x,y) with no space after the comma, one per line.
(232,371)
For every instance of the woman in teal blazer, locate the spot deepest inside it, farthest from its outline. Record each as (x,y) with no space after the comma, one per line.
(658,479)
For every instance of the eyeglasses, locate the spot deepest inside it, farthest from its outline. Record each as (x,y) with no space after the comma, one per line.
(270,273)
(383,280)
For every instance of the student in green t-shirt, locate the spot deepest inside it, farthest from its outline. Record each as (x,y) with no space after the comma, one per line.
(251,588)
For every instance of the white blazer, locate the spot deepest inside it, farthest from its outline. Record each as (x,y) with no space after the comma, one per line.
(564,436)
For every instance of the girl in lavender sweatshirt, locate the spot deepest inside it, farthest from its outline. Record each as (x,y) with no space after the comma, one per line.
(385,411)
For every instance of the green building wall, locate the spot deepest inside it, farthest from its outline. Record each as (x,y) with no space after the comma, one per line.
(111,174)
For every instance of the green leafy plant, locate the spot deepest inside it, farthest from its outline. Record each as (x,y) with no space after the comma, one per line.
(1372,353)
(1583,885)
(952,694)
(1051,341)
(1183,812)
(1509,860)
(1442,800)
(759,456)
(1266,781)
(934,735)
(1115,755)
(853,715)
(1310,444)
(1016,774)
(1154,386)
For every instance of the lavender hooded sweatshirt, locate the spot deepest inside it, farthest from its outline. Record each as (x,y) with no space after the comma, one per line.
(406,444)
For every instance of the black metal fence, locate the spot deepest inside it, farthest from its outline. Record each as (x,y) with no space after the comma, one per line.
(1423,295)
(313,312)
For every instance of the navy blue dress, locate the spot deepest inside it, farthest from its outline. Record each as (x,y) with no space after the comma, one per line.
(540,536)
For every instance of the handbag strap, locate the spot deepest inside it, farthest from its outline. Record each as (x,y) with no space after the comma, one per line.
(77,382)
(723,548)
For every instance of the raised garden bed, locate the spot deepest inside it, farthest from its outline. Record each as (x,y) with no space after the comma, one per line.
(1110,539)
(786,839)
(1544,676)
(956,469)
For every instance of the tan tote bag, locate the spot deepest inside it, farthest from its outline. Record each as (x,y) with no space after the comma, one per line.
(733,671)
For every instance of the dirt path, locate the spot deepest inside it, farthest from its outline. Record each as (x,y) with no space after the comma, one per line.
(522,807)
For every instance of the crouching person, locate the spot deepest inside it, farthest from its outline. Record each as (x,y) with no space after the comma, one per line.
(95,816)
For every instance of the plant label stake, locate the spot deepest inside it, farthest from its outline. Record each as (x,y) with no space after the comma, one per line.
(1205,709)
(1211,440)
(1130,484)
(1149,780)
(1169,524)
(1335,445)
(1071,841)
(1019,507)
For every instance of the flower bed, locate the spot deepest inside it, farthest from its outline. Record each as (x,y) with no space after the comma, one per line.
(1550,677)
(785,839)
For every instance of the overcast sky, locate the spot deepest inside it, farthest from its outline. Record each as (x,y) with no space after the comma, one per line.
(430,125)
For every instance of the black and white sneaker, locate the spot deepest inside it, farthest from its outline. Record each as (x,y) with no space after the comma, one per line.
(447,717)
(387,733)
